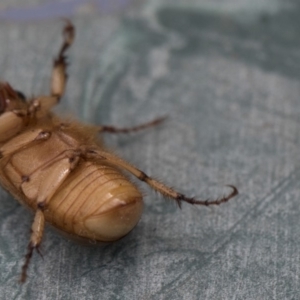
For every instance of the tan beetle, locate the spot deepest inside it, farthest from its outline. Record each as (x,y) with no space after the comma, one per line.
(62,171)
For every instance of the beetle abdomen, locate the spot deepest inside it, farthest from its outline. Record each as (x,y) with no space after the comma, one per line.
(96,202)
(89,199)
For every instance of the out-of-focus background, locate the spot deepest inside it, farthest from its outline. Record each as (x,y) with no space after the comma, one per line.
(227,75)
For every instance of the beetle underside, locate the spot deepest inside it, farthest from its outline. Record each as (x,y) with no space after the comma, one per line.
(62,172)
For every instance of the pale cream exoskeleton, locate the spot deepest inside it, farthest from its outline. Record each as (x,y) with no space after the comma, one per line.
(62,171)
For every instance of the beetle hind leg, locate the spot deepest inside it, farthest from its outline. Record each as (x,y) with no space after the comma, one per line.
(157,185)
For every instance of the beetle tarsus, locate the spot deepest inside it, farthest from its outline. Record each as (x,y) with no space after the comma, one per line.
(208,202)
(28,256)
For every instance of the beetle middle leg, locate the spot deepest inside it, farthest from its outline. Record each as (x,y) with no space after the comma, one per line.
(37,230)
(155,184)
(63,165)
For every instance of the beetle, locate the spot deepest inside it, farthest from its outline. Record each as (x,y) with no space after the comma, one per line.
(61,170)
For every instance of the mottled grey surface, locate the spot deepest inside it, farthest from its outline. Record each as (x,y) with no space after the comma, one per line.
(228,76)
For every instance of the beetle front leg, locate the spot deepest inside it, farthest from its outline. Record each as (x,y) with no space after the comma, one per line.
(59,74)
(155,184)
(10,125)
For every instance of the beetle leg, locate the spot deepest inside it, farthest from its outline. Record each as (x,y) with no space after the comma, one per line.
(21,141)
(37,230)
(12,122)
(56,172)
(112,129)
(59,75)
(155,184)
(10,125)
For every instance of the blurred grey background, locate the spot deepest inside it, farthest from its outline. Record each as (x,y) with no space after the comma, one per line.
(227,75)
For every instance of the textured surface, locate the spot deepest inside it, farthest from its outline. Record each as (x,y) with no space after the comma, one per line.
(228,77)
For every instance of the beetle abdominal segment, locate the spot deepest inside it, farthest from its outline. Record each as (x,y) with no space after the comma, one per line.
(113,224)
(98,198)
